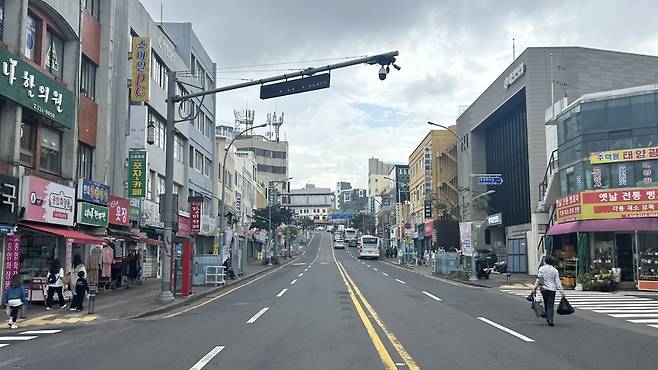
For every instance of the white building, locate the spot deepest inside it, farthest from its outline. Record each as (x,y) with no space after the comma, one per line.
(310,201)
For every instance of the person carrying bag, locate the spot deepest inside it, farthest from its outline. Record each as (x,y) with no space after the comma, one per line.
(14,298)
(548,280)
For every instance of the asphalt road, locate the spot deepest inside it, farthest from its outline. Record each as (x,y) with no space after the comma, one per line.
(330,310)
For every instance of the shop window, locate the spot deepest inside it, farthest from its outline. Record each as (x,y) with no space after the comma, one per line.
(51,150)
(31,37)
(593,116)
(54,54)
(85,160)
(646,173)
(88,79)
(619,113)
(597,176)
(93,7)
(643,110)
(602,255)
(28,131)
(648,251)
(622,174)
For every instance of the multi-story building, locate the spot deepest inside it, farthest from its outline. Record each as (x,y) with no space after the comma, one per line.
(603,192)
(400,173)
(431,182)
(377,173)
(271,157)
(504,133)
(340,187)
(310,201)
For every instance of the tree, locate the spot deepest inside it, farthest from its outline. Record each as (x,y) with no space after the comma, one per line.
(454,211)
(279,216)
(305,222)
(363,222)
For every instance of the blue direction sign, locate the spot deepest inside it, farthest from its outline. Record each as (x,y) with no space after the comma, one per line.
(490,180)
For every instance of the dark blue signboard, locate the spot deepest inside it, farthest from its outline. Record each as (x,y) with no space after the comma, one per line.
(341,217)
(300,85)
(490,180)
(93,192)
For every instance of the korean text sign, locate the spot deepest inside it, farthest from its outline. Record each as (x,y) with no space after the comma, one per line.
(140,69)
(609,204)
(49,202)
(12,257)
(91,214)
(93,192)
(119,211)
(623,155)
(34,90)
(195,215)
(9,192)
(137,171)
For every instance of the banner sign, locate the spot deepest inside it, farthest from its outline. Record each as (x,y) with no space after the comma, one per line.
(12,257)
(623,155)
(184,227)
(465,234)
(429,228)
(9,190)
(140,69)
(46,201)
(93,192)
(608,204)
(91,214)
(196,205)
(35,90)
(119,211)
(137,171)
(135,209)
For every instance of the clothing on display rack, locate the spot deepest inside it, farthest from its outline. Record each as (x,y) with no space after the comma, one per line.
(107,257)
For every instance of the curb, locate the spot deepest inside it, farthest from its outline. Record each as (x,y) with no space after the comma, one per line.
(200,296)
(467,282)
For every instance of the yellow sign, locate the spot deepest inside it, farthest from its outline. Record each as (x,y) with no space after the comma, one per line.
(623,155)
(608,204)
(215,249)
(140,70)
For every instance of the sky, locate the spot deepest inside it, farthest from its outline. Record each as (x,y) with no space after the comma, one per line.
(450,52)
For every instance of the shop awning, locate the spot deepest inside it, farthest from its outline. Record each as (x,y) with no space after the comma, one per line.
(627,224)
(71,235)
(134,236)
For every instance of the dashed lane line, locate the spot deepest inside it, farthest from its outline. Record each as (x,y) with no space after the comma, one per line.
(432,296)
(400,281)
(385,274)
(257,315)
(506,330)
(282,292)
(293,282)
(206,359)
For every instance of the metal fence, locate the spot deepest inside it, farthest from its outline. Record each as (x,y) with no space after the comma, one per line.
(445,263)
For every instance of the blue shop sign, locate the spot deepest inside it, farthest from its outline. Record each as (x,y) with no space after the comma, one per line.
(93,192)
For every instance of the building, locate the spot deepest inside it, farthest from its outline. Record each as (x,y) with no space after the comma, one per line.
(400,173)
(377,173)
(351,200)
(603,192)
(310,201)
(340,187)
(504,133)
(271,157)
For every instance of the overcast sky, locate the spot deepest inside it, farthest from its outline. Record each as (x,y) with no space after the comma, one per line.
(450,51)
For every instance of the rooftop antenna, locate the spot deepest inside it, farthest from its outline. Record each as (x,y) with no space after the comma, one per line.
(244,119)
(273,120)
(161,14)
(513,49)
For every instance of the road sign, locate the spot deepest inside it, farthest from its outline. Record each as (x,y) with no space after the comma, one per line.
(296,86)
(490,180)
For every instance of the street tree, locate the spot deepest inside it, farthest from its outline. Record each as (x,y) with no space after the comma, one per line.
(280,216)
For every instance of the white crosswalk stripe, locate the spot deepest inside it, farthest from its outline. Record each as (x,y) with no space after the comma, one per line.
(15,337)
(637,310)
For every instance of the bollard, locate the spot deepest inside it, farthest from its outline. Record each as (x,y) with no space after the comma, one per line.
(92,298)
(508,276)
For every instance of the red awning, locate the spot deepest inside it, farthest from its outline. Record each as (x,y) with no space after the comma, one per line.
(70,235)
(624,224)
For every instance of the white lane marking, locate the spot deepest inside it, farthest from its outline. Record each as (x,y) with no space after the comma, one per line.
(617,307)
(205,359)
(3,345)
(385,274)
(591,303)
(17,338)
(282,292)
(324,263)
(32,332)
(299,264)
(257,315)
(627,315)
(653,326)
(292,282)
(432,296)
(301,274)
(400,281)
(306,269)
(368,265)
(640,321)
(375,268)
(632,310)
(506,330)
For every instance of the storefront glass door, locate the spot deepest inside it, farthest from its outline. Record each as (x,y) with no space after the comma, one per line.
(624,252)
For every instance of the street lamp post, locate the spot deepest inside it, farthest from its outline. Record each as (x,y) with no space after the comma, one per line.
(270,202)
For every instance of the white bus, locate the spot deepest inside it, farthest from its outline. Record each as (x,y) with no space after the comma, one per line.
(369,247)
(350,237)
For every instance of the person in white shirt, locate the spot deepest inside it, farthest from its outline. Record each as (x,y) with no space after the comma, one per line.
(55,285)
(548,282)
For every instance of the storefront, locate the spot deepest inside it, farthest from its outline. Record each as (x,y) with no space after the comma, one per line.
(151,228)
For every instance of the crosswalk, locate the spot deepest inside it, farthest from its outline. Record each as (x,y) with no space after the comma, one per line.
(14,337)
(637,310)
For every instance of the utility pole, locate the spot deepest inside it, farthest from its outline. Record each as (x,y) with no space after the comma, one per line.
(385,60)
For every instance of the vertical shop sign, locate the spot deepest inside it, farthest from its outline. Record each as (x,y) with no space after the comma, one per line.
(647,172)
(427,164)
(596,176)
(12,257)
(140,71)
(622,175)
(137,171)
(196,203)
(8,199)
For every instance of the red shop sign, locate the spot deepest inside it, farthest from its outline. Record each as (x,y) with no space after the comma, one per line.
(195,217)
(183,226)
(119,211)
(429,228)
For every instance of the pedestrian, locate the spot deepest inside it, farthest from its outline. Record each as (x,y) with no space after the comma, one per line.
(548,282)
(14,298)
(81,289)
(78,267)
(55,285)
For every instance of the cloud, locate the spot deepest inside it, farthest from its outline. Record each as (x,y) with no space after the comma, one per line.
(450,51)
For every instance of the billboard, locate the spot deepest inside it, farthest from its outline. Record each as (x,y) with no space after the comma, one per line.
(140,70)
(608,204)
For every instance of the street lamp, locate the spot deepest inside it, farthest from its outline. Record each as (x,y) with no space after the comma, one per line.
(270,188)
(222,221)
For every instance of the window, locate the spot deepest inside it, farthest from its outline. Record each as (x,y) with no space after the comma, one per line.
(54,54)
(88,78)
(178,148)
(200,120)
(51,150)
(93,7)
(220,175)
(207,206)
(198,161)
(149,183)
(646,173)
(191,156)
(159,71)
(161,188)
(28,131)
(619,113)
(2,17)
(643,110)
(31,37)
(206,167)
(160,130)
(622,175)
(209,127)
(85,160)
(593,116)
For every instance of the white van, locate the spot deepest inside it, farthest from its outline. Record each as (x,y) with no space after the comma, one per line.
(369,247)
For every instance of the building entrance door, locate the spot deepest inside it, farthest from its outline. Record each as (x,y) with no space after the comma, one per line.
(517,255)
(624,252)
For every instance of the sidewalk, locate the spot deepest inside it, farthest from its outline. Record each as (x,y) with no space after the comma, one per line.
(134,302)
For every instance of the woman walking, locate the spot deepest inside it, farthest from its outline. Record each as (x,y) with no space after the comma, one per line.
(548,282)
(78,267)
(14,298)
(55,285)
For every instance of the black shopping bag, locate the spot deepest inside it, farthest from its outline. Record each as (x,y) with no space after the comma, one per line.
(564,308)
(530,297)
(537,307)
